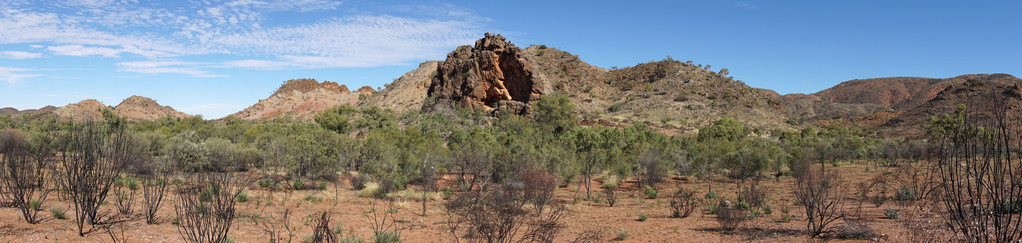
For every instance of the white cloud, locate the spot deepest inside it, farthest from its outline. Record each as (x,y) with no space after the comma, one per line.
(19,55)
(746,5)
(81,51)
(165,67)
(239,29)
(15,75)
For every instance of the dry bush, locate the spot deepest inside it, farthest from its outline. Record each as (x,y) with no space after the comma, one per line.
(22,177)
(854,229)
(730,218)
(820,192)
(383,224)
(276,228)
(589,236)
(206,206)
(154,186)
(124,196)
(506,213)
(752,194)
(611,195)
(89,166)
(981,176)
(683,202)
(322,233)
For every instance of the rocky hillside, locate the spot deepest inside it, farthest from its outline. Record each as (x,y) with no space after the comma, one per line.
(138,108)
(134,108)
(407,92)
(494,74)
(899,107)
(303,98)
(89,109)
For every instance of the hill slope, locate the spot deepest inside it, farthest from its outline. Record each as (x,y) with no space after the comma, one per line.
(407,92)
(138,108)
(302,98)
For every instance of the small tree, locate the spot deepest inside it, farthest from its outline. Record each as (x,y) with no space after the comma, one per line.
(509,212)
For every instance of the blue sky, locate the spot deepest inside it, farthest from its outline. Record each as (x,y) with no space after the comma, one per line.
(215,57)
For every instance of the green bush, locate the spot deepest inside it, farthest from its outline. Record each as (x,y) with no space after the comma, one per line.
(905,194)
(621,235)
(35,204)
(651,193)
(57,213)
(892,213)
(387,237)
(711,195)
(243,197)
(643,217)
(266,183)
(297,185)
(322,186)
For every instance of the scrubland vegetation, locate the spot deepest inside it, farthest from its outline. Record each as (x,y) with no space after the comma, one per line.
(506,178)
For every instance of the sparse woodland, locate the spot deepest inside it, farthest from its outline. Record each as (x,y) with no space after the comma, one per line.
(350,175)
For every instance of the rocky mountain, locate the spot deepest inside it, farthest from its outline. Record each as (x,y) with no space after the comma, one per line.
(303,98)
(138,108)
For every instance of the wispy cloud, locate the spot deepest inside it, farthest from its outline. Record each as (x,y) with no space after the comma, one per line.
(746,5)
(15,75)
(165,67)
(19,55)
(238,29)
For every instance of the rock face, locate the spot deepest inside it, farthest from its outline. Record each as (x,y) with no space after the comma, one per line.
(302,99)
(138,108)
(491,75)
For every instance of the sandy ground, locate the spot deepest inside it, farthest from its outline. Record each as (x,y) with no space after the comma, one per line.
(347,211)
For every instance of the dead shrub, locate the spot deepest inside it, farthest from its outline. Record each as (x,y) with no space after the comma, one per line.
(820,193)
(683,202)
(506,213)
(730,218)
(206,206)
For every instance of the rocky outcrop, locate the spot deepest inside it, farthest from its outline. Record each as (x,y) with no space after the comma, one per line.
(302,99)
(365,90)
(138,108)
(491,75)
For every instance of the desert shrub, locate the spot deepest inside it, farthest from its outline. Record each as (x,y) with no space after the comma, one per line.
(494,212)
(90,164)
(154,186)
(650,192)
(297,185)
(57,213)
(730,218)
(358,182)
(322,186)
(855,230)
(208,220)
(892,213)
(322,233)
(243,197)
(610,195)
(22,177)
(752,194)
(683,202)
(621,235)
(905,194)
(819,192)
(266,183)
(643,217)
